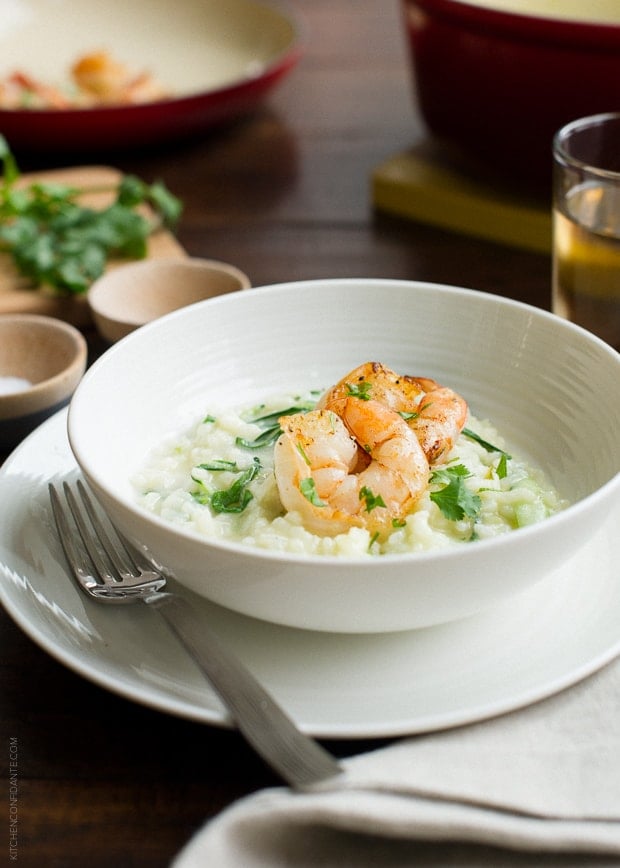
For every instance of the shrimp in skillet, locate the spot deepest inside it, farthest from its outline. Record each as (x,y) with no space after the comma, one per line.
(435,413)
(362,467)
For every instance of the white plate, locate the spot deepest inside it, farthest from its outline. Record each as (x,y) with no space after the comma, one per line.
(334,686)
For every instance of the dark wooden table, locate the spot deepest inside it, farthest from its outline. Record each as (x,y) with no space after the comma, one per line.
(284,194)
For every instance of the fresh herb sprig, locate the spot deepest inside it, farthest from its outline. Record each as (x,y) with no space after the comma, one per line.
(504,457)
(489,447)
(307,487)
(371,500)
(56,242)
(454,498)
(233,499)
(361,390)
(271,428)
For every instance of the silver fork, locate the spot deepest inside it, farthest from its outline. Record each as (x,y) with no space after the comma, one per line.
(109,572)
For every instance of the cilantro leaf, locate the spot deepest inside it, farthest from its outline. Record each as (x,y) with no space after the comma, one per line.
(502,469)
(360,390)
(236,498)
(484,443)
(168,206)
(131,191)
(10,169)
(265,438)
(371,500)
(53,240)
(270,418)
(218,464)
(303,454)
(454,498)
(447,474)
(272,431)
(308,489)
(502,464)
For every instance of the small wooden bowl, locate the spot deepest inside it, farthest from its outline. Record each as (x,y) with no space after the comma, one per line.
(42,359)
(129,296)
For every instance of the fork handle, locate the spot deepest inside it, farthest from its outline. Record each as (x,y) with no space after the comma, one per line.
(296,757)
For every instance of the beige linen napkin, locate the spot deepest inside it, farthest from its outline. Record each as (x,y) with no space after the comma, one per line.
(542,780)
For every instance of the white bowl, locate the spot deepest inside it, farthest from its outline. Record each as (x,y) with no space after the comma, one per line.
(550,387)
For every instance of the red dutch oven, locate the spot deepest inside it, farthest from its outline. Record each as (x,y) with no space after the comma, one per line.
(498,83)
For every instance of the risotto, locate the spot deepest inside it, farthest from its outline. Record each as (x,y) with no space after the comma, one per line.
(218,480)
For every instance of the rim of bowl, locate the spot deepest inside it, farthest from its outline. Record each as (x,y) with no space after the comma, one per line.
(97,293)
(527,25)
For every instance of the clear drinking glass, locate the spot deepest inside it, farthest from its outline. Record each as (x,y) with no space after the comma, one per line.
(586,224)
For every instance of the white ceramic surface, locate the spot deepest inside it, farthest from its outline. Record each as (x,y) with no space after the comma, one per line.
(334,685)
(552,389)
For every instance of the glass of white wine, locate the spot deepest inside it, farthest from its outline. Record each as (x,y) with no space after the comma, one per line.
(586,224)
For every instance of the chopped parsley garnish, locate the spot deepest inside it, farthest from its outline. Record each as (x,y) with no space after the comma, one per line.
(484,443)
(359,390)
(233,499)
(201,495)
(308,489)
(265,438)
(454,498)
(269,419)
(302,452)
(219,464)
(372,500)
(55,241)
(272,429)
(502,466)
(237,497)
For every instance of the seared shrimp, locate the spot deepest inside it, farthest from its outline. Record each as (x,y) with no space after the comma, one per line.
(435,413)
(107,81)
(440,419)
(20,91)
(363,467)
(96,79)
(374,381)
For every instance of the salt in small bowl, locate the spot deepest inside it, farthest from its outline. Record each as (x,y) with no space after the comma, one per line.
(42,360)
